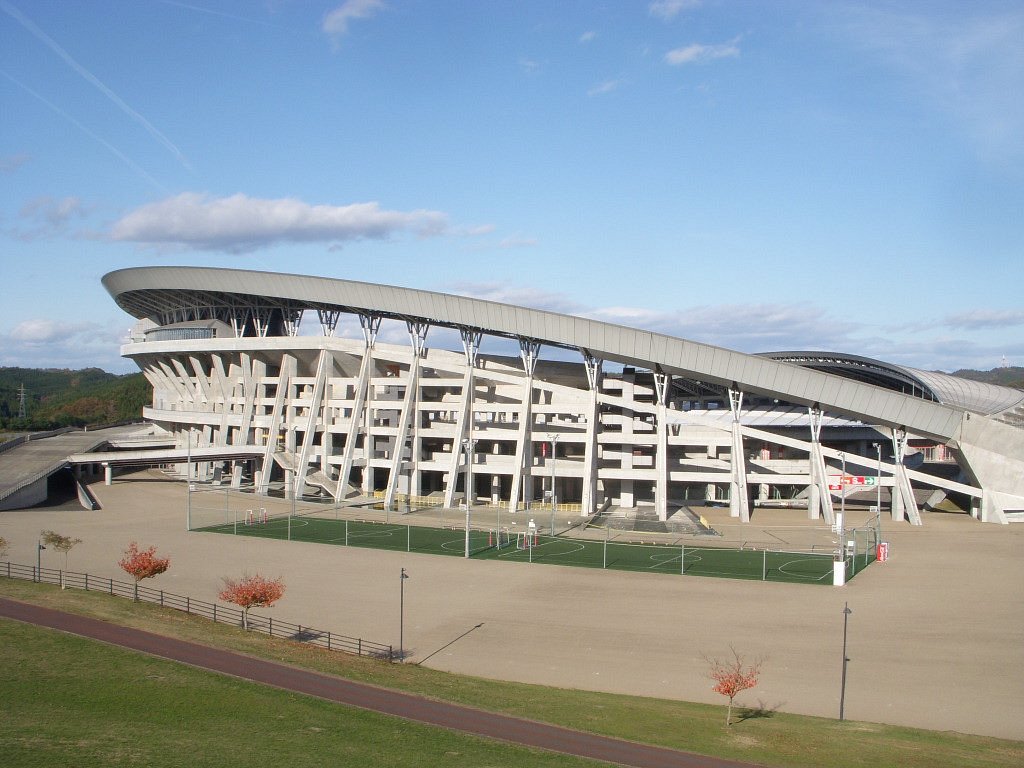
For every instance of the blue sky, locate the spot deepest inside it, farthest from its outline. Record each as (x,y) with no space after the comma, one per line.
(761,176)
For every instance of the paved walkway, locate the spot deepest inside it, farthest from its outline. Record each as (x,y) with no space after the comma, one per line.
(458,718)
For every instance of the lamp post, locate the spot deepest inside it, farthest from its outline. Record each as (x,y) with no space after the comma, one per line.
(878,491)
(401,615)
(467,446)
(842,686)
(554,442)
(188,481)
(39,560)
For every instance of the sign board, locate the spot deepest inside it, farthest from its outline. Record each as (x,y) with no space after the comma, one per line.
(863,480)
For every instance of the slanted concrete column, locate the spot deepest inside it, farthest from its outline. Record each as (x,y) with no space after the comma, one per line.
(739,501)
(662,383)
(593,366)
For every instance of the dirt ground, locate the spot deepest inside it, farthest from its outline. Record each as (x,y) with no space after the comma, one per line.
(936,637)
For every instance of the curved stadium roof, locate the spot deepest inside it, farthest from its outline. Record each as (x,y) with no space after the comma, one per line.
(975,396)
(162,293)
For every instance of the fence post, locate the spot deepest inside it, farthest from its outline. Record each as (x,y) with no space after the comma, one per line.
(87,582)
(682,560)
(214,613)
(359,647)
(111,586)
(328,640)
(270,631)
(187,604)
(408,538)
(161,598)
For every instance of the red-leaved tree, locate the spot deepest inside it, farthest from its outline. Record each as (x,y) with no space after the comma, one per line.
(251,592)
(142,564)
(733,676)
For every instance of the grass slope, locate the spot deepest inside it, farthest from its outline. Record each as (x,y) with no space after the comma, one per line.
(771,738)
(72,701)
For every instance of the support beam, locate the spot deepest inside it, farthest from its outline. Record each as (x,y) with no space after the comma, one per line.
(417,337)
(662,384)
(277,420)
(739,500)
(354,422)
(317,406)
(529,352)
(903,502)
(820,497)
(593,367)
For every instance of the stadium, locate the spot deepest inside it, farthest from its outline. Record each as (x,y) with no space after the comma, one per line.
(583,416)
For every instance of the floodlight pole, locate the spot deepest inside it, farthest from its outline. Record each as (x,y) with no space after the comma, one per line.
(188,482)
(554,463)
(842,686)
(878,491)
(401,615)
(467,446)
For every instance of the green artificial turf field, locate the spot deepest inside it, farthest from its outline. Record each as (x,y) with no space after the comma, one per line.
(653,557)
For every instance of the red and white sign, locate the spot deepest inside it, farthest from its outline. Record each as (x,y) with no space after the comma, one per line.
(883,552)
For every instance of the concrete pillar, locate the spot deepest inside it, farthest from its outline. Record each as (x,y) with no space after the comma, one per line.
(108,474)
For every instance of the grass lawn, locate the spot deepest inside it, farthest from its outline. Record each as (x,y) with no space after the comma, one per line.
(797,567)
(243,731)
(69,701)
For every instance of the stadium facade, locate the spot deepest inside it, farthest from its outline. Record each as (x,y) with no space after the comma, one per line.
(597,415)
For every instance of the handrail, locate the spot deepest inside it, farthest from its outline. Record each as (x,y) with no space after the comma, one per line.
(332,641)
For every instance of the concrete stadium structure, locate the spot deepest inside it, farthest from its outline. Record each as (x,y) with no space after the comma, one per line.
(642,420)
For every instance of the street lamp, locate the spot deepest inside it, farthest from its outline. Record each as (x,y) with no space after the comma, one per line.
(878,491)
(39,560)
(842,687)
(401,615)
(467,446)
(554,442)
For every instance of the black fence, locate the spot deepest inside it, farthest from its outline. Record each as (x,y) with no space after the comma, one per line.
(332,641)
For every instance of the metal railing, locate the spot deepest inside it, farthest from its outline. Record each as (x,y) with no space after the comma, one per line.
(332,641)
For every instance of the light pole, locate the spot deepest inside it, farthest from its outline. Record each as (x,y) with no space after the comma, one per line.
(467,446)
(39,560)
(554,443)
(878,492)
(842,686)
(401,615)
(188,480)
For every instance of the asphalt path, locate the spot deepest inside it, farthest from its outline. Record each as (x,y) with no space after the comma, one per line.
(408,706)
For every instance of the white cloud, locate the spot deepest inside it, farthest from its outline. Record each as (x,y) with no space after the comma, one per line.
(42,331)
(669,9)
(240,223)
(588,36)
(985,318)
(45,217)
(336,22)
(607,86)
(697,53)
(46,343)
(11,163)
(967,62)
(55,212)
(522,296)
(530,66)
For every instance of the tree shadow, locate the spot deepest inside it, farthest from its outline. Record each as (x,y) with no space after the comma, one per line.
(762,710)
